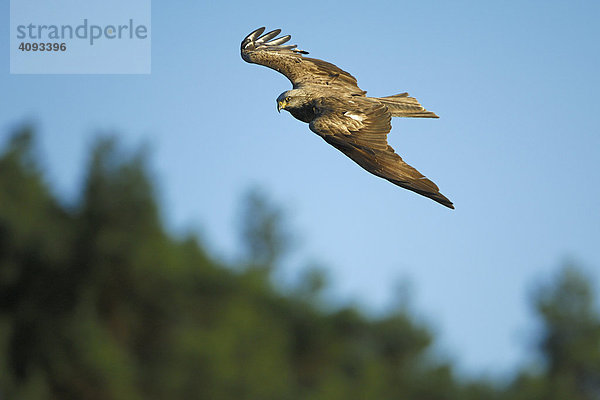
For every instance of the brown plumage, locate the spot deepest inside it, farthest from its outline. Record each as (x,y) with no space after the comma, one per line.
(330,101)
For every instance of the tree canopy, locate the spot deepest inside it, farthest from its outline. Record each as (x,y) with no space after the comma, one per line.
(99,301)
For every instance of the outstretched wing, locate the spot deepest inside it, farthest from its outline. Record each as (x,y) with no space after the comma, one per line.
(361,134)
(270,51)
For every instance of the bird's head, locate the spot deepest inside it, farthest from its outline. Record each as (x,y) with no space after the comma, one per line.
(290,99)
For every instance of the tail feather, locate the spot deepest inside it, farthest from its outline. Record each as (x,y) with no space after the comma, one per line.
(402,105)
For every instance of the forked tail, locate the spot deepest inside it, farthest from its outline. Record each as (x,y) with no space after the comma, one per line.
(402,105)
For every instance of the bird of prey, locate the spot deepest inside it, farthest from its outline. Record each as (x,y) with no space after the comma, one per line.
(330,101)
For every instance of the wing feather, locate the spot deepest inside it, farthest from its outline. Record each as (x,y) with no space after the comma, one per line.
(302,71)
(255,34)
(268,36)
(281,40)
(365,142)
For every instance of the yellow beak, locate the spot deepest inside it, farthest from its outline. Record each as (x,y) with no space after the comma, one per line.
(281,105)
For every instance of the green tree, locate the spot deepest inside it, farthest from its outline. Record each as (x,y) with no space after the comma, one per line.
(264,237)
(35,284)
(570,343)
(99,301)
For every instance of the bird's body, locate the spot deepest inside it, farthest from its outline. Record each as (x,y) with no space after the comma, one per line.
(330,101)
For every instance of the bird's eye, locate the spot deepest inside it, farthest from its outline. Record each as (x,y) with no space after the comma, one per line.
(287,99)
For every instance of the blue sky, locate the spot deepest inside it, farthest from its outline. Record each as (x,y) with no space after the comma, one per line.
(516,148)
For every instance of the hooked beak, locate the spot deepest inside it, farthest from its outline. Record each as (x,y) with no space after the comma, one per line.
(281,105)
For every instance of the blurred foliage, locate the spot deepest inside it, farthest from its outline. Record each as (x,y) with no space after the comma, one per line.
(264,237)
(98,301)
